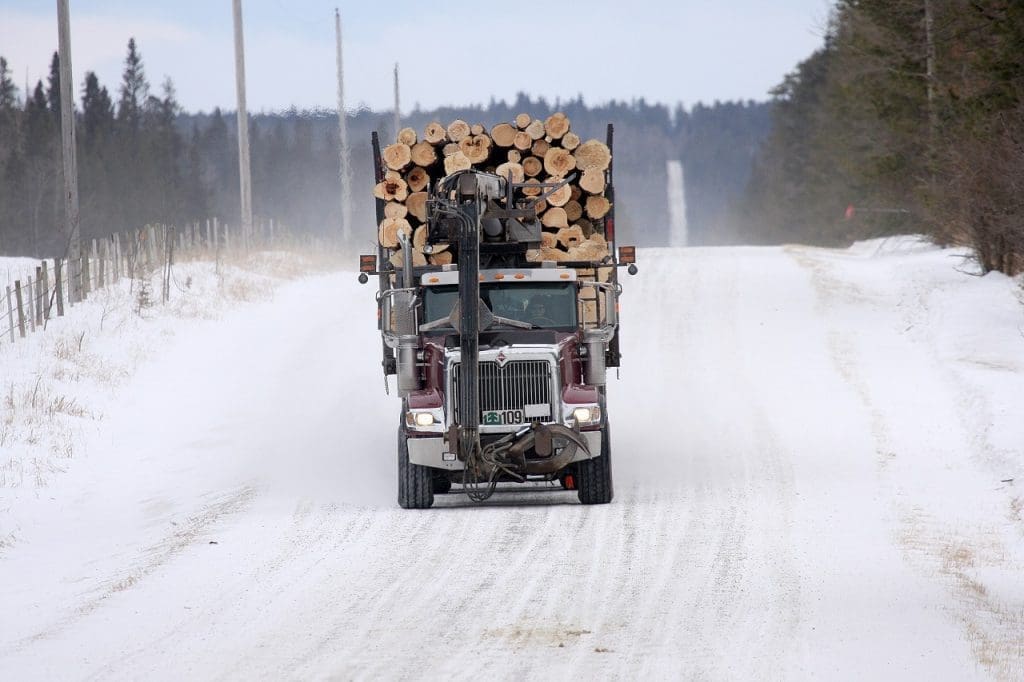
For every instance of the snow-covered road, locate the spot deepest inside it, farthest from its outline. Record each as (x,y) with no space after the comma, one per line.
(818,471)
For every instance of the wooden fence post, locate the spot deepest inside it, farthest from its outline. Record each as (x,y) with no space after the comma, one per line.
(57,275)
(29,299)
(10,314)
(118,272)
(46,292)
(101,264)
(39,296)
(95,269)
(85,277)
(21,313)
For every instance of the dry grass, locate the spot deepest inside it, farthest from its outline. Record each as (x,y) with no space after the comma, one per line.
(44,406)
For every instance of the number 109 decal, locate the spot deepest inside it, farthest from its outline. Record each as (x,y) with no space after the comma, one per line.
(502,417)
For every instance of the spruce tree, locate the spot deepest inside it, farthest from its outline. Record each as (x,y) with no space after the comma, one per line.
(134,88)
(97,110)
(8,90)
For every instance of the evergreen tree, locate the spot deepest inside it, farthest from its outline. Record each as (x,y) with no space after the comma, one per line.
(8,90)
(40,173)
(97,111)
(134,88)
(53,87)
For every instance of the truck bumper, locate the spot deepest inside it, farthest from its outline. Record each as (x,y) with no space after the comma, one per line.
(429,452)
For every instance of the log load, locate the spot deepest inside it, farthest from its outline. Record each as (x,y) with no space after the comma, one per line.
(526,149)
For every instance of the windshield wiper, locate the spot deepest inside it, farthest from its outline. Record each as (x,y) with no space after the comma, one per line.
(519,324)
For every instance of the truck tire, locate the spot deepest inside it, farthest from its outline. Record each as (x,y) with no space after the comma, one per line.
(594,476)
(415,482)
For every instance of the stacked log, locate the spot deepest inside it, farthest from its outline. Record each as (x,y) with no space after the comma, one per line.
(526,149)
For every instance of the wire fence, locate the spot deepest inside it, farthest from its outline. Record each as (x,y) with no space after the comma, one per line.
(28,304)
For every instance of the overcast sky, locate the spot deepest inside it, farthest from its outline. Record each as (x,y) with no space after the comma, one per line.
(458,52)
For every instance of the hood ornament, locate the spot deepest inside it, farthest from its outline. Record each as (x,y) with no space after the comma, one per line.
(502,359)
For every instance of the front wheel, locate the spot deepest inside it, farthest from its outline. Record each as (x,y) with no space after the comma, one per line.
(594,476)
(415,482)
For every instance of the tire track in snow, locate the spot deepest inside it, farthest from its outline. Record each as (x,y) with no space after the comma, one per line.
(935,547)
(149,561)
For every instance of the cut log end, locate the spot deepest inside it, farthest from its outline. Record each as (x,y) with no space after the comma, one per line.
(423,154)
(573,210)
(511,171)
(397,156)
(592,181)
(417,179)
(435,133)
(523,120)
(458,130)
(556,125)
(558,162)
(395,210)
(503,134)
(535,129)
(561,196)
(417,206)
(555,217)
(389,229)
(407,136)
(441,258)
(570,236)
(391,189)
(476,148)
(597,207)
(456,162)
(593,155)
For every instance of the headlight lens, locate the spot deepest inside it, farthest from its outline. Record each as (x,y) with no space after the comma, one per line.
(420,419)
(587,416)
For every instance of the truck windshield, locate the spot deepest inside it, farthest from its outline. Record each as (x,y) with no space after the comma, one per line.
(546,305)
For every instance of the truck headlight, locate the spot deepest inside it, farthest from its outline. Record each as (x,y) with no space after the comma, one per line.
(587,416)
(421,419)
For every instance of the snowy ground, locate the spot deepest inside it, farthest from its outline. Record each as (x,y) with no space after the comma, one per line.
(818,470)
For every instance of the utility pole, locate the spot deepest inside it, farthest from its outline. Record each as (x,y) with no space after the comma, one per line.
(67,130)
(398,114)
(244,174)
(344,169)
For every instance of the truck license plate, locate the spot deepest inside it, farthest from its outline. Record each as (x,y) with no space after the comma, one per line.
(502,417)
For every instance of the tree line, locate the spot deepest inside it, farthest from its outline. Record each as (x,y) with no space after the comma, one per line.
(910,117)
(142,159)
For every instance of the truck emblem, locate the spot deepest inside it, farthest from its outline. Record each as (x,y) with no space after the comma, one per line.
(502,360)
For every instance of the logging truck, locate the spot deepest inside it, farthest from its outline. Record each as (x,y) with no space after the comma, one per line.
(497,302)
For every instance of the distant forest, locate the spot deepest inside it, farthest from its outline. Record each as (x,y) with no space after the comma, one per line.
(142,160)
(910,118)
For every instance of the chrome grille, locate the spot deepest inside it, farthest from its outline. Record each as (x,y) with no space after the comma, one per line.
(512,387)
